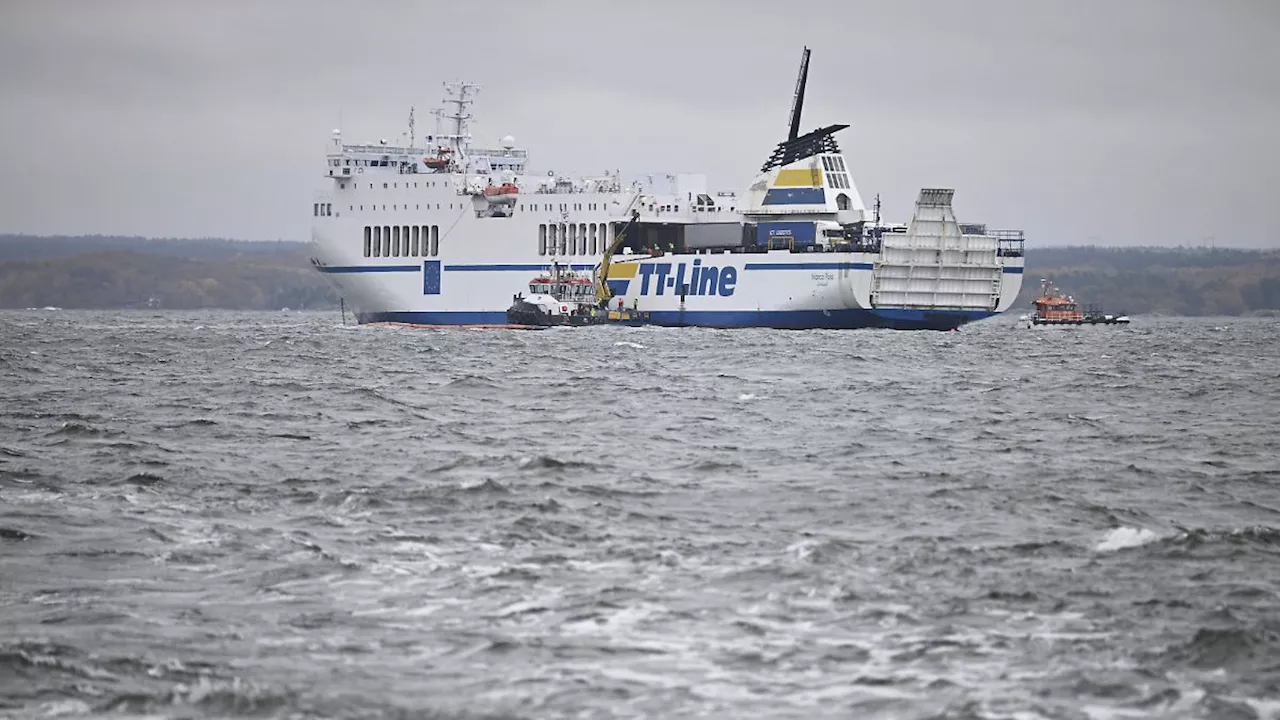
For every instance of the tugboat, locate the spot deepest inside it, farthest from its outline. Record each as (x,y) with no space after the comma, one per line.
(1053,308)
(561,296)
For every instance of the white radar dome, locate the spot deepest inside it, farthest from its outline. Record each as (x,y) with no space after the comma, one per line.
(508,142)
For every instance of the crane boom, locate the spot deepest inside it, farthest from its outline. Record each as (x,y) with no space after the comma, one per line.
(603,293)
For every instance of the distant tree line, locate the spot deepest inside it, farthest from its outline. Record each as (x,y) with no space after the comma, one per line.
(124,272)
(28,247)
(1166,281)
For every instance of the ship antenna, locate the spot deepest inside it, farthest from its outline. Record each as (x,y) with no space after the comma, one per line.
(439,113)
(798,103)
(877,209)
(460,116)
(411,135)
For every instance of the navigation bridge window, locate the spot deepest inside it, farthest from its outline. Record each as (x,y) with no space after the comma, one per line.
(322,209)
(401,240)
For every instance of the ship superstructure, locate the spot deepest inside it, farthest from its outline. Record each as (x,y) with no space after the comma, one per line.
(445,233)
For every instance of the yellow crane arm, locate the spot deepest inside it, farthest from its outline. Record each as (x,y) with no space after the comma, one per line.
(603,293)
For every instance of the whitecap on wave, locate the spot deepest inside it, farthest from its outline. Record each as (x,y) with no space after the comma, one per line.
(1125,537)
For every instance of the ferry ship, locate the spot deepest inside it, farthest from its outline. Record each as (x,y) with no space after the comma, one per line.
(447,232)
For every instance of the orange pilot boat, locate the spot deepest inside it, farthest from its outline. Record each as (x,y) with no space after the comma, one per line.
(1053,308)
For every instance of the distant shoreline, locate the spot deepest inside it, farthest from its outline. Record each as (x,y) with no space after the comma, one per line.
(107,272)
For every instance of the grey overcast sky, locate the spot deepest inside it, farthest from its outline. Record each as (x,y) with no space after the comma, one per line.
(1114,122)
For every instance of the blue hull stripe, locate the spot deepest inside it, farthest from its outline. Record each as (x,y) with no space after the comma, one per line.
(532,267)
(345,269)
(808,266)
(795,196)
(342,269)
(846,319)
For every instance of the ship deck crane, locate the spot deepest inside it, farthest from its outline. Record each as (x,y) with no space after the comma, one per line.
(603,294)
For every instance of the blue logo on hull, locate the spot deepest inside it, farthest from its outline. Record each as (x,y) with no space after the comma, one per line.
(698,280)
(431,277)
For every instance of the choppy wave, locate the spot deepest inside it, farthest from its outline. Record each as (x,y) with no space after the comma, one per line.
(272,518)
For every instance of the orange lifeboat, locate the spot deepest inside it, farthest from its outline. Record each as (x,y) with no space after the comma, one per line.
(504,194)
(440,161)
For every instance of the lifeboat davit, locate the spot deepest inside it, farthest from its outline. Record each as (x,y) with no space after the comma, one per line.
(504,194)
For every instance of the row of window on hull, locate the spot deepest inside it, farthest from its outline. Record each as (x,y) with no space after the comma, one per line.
(401,240)
(574,238)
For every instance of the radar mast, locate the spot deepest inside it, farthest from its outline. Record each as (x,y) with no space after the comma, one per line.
(460,95)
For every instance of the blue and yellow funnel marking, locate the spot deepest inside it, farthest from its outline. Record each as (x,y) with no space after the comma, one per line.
(620,277)
(796,186)
(795,196)
(799,177)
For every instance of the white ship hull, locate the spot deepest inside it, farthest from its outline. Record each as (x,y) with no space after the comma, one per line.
(777,289)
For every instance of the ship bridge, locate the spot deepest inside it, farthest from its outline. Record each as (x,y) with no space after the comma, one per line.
(345,162)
